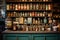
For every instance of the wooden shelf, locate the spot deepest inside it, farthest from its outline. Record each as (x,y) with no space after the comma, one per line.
(28,2)
(33,24)
(25,7)
(9,31)
(29,11)
(30,16)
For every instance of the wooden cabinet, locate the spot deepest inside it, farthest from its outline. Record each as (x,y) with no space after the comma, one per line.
(45,37)
(59,37)
(38,37)
(10,38)
(16,37)
(52,38)
(32,36)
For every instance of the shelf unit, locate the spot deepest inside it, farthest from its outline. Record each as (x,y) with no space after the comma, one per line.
(26,14)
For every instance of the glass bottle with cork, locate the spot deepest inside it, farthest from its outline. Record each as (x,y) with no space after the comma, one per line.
(14,27)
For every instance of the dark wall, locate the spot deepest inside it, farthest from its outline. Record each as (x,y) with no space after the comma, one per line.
(2,26)
(56,0)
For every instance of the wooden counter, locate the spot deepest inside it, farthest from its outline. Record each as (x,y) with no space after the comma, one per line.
(30,35)
(8,31)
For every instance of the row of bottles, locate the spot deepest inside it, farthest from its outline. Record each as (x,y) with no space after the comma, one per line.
(44,27)
(28,0)
(51,26)
(29,14)
(28,20)
(32,14)
(29,6)
(56,15)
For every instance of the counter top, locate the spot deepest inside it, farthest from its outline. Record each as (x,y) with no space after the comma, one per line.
(8,31)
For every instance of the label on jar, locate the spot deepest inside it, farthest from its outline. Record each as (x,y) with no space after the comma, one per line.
(21,20)
(29,20)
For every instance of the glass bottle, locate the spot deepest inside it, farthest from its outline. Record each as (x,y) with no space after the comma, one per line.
(41,14)
(44,6)
(34,21)
(49,6)
(40,6)
(38,14)
(25,21)
(26,27)
(8,22)
(14,27)
(33,14)
(44,0)
(23,0)
(38,21)
(37,29)
(21,28)
(30,6)
(45,20)
(22,7)
(18,26)
(30,14)
(37,6)
(20,14)
(8,14)
(41,21)
(30,0)
(23,14)
(47,0)
(27,7)
(47,28)
(49,14)
(49,20)
(16,7)
(11,7)
(26,14)
(8,7)
(42,27)
(14,14)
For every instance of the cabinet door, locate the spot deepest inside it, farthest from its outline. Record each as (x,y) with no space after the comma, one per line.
(45,36)
(51,38)
(59,37)
(10,38)
(5,37)
(16,37)
(23,36)
(38,37)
